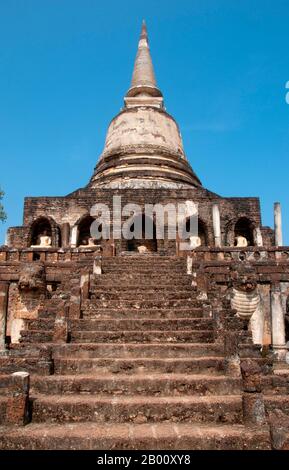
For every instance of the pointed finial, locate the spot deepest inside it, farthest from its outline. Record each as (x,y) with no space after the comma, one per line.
(143,81)
(144,32)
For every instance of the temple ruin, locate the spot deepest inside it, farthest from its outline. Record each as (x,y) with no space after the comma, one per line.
(112,342)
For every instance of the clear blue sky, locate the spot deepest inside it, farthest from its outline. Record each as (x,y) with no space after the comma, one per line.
(221,64)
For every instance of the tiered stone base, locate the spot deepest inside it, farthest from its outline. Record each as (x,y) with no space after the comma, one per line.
(143,370)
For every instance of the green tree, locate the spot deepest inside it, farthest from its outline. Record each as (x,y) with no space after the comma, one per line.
(3,215)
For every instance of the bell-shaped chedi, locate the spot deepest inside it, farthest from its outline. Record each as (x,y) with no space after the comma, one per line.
(143,146)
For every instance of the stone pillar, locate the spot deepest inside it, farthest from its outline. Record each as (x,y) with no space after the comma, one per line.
(258,239)
(74,236)
(216,225)
(75,299)
(252,397)
(278,322)
(97,265)
(229,327)
(17,410)
(3,314)
(113,250)
(189,264)
(278,224)
(257,325)
(84,285)
(60,331)
(279,429)
(231,353)
(65,234)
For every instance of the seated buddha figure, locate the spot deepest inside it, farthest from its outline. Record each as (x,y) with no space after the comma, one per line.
(44,241)
(87,242)
(241,241)
(195,241)
(142,249)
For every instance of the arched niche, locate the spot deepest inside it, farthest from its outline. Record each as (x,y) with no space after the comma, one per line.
(190,228)
(149,243)
(44,226)
(244,227)
(84,230)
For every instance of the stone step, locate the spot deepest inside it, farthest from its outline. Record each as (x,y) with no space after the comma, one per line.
(145,267)
(141,294)
(142,384)
(146,290)
(140,286)
(40,324)
(144,260)
(112,324)
(144,270)
(9,364)
(156,265)
(146,303)
(277,383)
(188,365)
(155,436)
(91,311)
(156,275)
(136,350)
(36,336)
(277,402)
(127,255)
(20,350)
(63,366)
(5,381)
(120,335)
(142,257)
(47,314)
(137,336)
(141,325)
(141,271)
(164,279)
(137,409)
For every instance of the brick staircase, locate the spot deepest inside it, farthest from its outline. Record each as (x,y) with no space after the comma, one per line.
(142,370)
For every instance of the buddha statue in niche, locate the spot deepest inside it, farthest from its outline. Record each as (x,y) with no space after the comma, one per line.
(44,241)
(195,241)
(241,241)
(142,249)
(88,242)
(92,242)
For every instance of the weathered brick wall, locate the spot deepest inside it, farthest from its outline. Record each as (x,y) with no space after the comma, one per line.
(268,237)
(18,237)
(72,208)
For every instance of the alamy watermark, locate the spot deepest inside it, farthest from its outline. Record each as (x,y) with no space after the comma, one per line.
(153,221)
(287,94)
